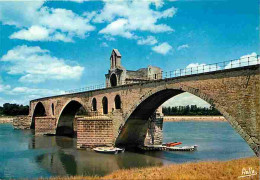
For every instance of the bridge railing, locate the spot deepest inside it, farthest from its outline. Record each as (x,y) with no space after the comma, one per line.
(204,68)
(189,70)
(89,88)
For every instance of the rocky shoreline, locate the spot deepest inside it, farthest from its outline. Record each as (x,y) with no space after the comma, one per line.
(6,120)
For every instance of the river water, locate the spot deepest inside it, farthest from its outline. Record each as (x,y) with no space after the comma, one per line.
(22,155)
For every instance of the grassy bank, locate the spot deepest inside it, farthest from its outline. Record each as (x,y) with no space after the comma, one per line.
(201,170)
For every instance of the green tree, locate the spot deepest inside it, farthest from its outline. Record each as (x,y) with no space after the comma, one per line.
(190,110)
(14,109)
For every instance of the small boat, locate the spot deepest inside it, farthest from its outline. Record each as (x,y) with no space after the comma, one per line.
(108,150)
(171,144)
(184,148)
(120,150)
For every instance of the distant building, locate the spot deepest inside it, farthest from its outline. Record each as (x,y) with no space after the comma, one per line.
(118,75)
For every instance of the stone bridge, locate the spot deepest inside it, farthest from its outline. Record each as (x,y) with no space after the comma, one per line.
(121,115)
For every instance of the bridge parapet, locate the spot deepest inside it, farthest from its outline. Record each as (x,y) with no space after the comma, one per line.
(193,69)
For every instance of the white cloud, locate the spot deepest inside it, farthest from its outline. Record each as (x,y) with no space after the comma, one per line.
(37,22)
(125,17)
(195,68)
(249,59)
(38,33)
(40,23)
(89,15)
(118,28)
(163,48)
(2,101)
(186,99)
(184,46)
(37,65)
(109,38)
(4,88)
(157,3)
(65,20)
(20,13)
(35,91)
(22,95)
(104,44)
(60,37)
(23,101)
(150,40)
(194,65)
(78,1)
(34,33)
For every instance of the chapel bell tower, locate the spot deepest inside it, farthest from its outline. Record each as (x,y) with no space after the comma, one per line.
(116,72)
(115,59)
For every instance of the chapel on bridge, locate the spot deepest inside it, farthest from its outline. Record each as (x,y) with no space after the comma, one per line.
(118,75)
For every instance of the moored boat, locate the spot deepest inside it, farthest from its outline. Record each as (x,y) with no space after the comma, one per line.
(120,150)
(108,150)
(184,148)
(171,144)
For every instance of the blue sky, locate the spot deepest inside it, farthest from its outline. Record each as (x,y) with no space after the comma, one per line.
(48,47)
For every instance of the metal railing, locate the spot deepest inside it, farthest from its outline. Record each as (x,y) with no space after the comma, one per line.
(89,88)
(190,70)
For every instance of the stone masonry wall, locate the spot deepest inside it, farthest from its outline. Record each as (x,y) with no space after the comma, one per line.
(94,131)
(22,122)
(154,135)
(45,125)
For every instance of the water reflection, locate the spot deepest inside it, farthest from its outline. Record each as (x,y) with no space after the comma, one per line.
(62,158)
(23,155)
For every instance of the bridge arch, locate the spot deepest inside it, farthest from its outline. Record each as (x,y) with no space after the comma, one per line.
(65,122)
(134,129)
(39,111)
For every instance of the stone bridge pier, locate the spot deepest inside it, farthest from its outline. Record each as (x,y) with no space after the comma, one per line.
(122,115)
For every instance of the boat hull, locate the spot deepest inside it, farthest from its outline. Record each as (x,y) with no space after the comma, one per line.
(185,148)
(106,152)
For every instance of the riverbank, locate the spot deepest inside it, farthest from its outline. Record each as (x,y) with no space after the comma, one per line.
(232,169)
(6,119)
(193,118)
(9,119)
